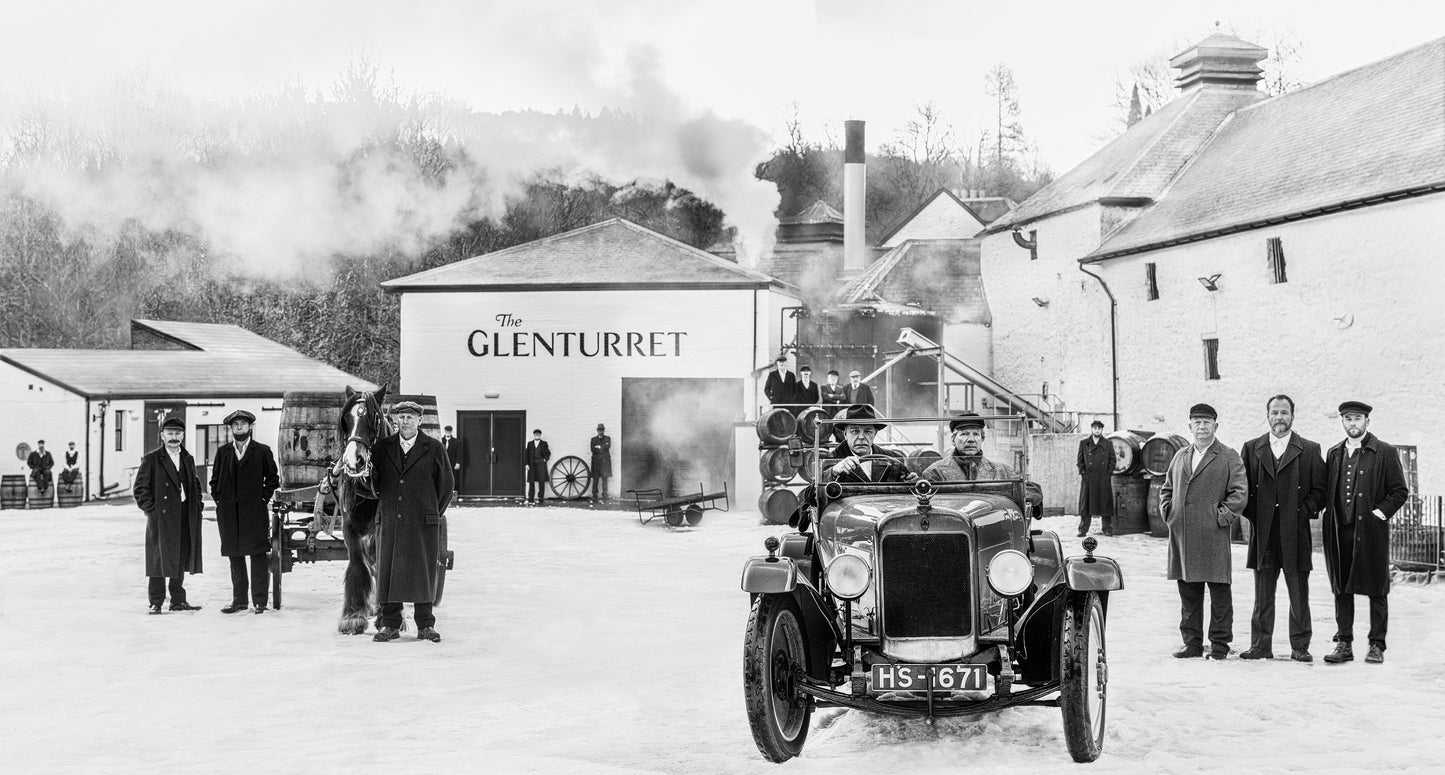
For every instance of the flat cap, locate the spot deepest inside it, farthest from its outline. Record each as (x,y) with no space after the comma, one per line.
(240,414)
(1203,410)
(173,423)
(1356,406)
(407,407)
(1096,424)
(967,420)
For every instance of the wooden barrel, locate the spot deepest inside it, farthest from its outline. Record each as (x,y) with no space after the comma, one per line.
(776,426)
(69,496)
(1131,494)
(806,467)
(37,500)
(808,427)
(1157,528)
(430,420)
(920,459)
(777,504)
(12,491)
(309,441)
(1158,451)
(776,465)
(1127,446)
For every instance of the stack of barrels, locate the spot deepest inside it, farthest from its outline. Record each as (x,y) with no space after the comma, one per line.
(1131,481)
(786,459)
(1151,463)
(12,491)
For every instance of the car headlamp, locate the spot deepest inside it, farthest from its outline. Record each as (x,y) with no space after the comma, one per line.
(1010,572)
(848,576)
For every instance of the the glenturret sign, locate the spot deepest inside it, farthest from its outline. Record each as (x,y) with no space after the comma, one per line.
(507,342)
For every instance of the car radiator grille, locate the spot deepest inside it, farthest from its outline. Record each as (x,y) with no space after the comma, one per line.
(925,585)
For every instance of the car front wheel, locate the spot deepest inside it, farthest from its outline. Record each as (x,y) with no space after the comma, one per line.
(1085,672)
(774,656)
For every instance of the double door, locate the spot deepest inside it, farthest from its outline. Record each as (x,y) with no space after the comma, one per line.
(493,453)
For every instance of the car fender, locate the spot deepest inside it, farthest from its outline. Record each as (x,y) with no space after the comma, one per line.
(1093,574)
(769,575)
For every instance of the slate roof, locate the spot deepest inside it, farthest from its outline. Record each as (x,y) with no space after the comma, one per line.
(612,254)
(901,222)
(939,275)
(213,337)
(1353,139)
(179,373)
(989,208)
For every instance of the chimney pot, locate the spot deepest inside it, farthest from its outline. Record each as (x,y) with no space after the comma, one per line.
(855,186)
(1219,61)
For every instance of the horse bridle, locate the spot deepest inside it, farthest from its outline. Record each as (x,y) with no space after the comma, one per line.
(361,402)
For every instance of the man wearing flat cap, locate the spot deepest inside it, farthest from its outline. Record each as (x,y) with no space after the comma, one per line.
(1096,488)
(1364,487)
(967,464)
(243,476)
(40,462)
(1204,493)
(601,468)
(413,483)
(169,492)
(855,392)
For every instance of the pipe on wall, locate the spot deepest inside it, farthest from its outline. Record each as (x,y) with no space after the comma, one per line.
(1113,341)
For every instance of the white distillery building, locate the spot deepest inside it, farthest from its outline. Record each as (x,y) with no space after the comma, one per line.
(111,403)
(1232,246)
(612,323)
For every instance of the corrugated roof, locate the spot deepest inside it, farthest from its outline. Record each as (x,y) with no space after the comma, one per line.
(214,337)
(1353,137)
(939,275)
(817,212)
(613,253)
(179,373)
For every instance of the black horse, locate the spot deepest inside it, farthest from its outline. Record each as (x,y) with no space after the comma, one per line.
(361,425)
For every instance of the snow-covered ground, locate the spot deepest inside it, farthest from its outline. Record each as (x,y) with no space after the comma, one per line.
(578,642)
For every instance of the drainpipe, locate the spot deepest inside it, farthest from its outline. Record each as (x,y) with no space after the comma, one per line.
(1113,340)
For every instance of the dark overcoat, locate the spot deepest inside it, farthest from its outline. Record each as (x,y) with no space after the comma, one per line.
(412,495)
(860,395)
(40,464)
(832,395)
(1380,484)
(892,470)
(806,394)
(173,528)
(538,453)
(1096,469)
(242,492)
(453,447)
(780,387)
(601,456)
(1199,507)
(1290,491)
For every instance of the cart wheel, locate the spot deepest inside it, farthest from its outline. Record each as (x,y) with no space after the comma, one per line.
(570,478)
(674,517)
(693,515)
(443,562)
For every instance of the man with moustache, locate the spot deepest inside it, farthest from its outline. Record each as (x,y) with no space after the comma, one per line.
(413,483)
(805,393)
(781,384)
(967,464)
(856,392)
(169,492)
(1365,486)
(243,477)
(1286,477)
(832,394)
(1204,492)
(1096,490)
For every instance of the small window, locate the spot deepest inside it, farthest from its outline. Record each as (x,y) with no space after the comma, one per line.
(1275,249)
(1151,281)
(119,430)
(1211,359)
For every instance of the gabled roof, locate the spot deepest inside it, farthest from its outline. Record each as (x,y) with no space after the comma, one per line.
(1367,135)
(1136,167)
(615,254)
(939,275)
(115,374)
(212,337)
(989,208)
(949,196)
(817,212)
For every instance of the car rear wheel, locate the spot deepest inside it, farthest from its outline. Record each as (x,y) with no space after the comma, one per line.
(1085,672)
(774,655)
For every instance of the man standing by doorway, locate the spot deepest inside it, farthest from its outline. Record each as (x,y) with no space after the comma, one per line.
(538,453)
(601,468)
(453,449)
(1096,489)
(1365,487)
(243,477)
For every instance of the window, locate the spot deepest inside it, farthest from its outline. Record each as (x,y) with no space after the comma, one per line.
(1275,250)
(1151,281)
(1211,359)
(119,430)
(212,437)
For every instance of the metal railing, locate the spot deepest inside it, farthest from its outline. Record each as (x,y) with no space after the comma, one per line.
(1417,534)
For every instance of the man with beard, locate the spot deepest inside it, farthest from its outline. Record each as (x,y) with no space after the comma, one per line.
(832,394)
(1096,491)
(243,477)
(1286,476)
(1365,487)
(967,464)
(1204,492)
(805,393)
(169,492)
(40,462)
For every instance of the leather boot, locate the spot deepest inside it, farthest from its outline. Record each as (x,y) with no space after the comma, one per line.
(1342,653)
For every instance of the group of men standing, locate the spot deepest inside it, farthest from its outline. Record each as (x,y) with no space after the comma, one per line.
(1281,481)
(782,388)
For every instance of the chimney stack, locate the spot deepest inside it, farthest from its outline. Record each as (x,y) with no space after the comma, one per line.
(855,181)
(1220,61)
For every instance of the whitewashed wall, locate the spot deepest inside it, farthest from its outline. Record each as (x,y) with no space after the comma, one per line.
(943,218)
(32,409)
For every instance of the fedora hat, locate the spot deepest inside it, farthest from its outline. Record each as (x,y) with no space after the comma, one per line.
(862,414)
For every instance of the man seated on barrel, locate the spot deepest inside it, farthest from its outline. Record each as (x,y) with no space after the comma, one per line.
(967,464)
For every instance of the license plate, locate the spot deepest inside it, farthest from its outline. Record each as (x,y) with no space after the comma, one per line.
(900,678)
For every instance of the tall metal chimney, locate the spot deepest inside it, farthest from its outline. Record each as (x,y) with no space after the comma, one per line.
(855,184)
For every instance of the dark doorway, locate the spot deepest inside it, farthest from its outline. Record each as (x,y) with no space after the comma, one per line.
(677,433)
(493,463)
(158,412)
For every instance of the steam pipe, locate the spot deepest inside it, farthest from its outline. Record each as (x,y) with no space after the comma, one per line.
(1113,341)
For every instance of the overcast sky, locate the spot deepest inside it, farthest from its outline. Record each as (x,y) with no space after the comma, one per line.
(747,59)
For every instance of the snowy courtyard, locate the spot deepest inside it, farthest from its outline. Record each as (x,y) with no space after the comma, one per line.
(578,641)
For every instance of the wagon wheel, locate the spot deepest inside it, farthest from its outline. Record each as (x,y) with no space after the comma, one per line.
(674,517)
(693,515)
(570,478)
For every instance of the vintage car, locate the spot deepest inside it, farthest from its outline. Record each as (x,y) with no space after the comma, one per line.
(924,599)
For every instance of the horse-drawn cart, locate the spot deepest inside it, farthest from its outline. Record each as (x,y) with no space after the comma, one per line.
(675,511)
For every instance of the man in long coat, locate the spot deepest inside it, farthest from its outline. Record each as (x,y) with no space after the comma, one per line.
(805,392)
(855,392)
(1096,489)
(601,468)
(781,384)
(40,462)
(538,454)
(832,394)
(243,476)
(1286,474)
(413,483)
(169,492)
(1365,487)
(453,447)
(1203,494)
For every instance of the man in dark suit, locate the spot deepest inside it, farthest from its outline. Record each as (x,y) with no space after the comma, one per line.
(40,462)
(413,482)
(805,392)
(1286,476)
(781,384)
(601,469)
(453,449)
(1365,487)
(169,492)
(832,394)
(856,392)
(855,460)
(538,453)
(1096,490)
(243,476)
